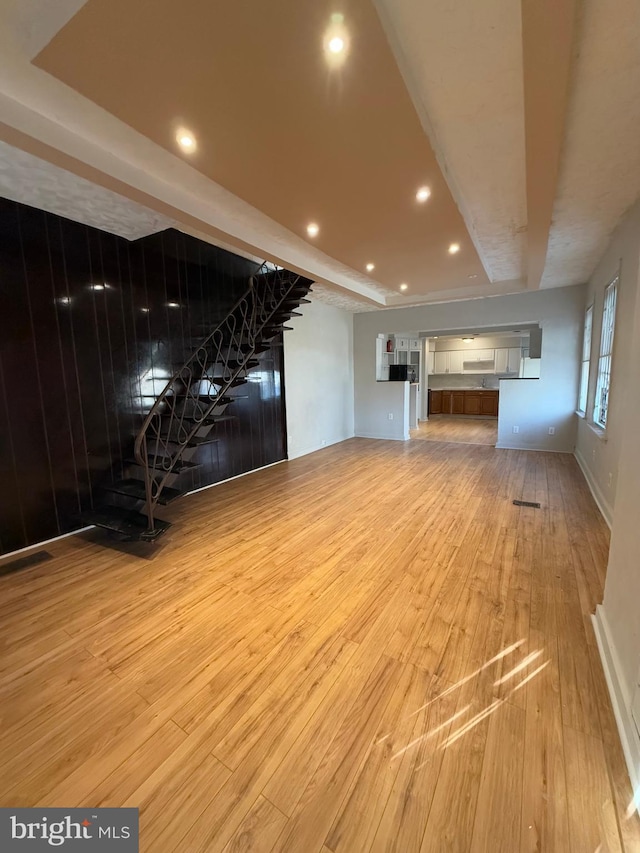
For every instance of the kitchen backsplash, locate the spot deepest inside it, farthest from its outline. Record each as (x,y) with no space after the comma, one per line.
(460,380)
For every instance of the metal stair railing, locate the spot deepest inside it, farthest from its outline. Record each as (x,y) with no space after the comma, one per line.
(217,362)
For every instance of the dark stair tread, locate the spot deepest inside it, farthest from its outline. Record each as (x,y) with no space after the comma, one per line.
(221,380)
(125,522)
(196,441)
(188,395)
(180,466)
(135,489)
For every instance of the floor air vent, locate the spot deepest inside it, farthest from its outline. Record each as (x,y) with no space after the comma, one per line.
(534,504)
(24,562)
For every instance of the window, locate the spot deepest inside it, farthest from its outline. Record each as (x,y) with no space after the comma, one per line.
(601,405)
(586,360)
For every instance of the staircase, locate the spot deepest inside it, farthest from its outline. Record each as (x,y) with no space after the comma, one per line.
(185,413)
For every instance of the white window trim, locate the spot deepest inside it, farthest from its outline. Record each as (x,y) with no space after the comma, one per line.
(586,351)
(605,354)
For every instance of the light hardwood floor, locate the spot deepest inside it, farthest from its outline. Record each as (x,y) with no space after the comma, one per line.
(458,430)
(366,649)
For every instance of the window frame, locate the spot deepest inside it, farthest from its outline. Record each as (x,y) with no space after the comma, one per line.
(605,355)
(585,375)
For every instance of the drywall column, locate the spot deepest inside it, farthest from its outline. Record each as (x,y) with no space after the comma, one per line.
(318,375)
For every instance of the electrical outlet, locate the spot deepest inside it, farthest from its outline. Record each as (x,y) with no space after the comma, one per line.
(516,429)
(390,416)
(552,430)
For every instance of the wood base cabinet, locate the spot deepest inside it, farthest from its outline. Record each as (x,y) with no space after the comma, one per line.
(480,402)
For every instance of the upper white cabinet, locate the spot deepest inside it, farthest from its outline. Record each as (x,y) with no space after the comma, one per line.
(414,344)
(456,359)
(504,361)
(383,360)
(508,360)
(441,362)
(402,344)
(449,361)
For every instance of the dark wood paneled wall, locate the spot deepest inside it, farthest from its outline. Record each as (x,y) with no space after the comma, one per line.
(79,366)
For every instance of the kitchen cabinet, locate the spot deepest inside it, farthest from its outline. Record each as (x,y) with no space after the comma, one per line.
(455,361)
(508,360)
(480,402)
(402,343)
(457,402)
(441,362)
(431,363)
(414,344)
(479,361)
(383,360)
(448,361)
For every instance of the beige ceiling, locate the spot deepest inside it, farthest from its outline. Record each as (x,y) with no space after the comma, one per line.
(276,126)
(523,118)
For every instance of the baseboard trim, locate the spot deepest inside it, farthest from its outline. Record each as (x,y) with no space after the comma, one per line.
(307,450)
(605,510)
(37,545)
(534,449)
(11,554)
(620,700)
(235,477)
(382,437)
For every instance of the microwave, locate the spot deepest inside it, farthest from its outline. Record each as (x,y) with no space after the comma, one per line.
(398,372)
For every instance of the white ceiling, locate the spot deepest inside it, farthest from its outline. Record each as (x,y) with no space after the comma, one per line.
(33,181)
(600,167)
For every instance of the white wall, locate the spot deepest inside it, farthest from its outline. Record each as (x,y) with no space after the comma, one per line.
(600,458)
(382,409)
(532,405)
(318,376)
(618,619)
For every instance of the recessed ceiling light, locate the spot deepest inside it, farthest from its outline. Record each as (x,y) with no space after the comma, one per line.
(335,41)
(423,194)
(63,300)
(145,310)
(173,304)
(468,340)
(312,229)
(371,267)
(404,286)
(454,248)
(186,141)
(97,286)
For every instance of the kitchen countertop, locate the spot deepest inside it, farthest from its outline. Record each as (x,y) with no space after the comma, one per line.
(466,388)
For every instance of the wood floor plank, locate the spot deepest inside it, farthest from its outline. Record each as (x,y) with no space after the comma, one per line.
(328,674)
(259,830)
(497,820)
(355,827)
(592,817)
